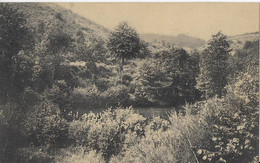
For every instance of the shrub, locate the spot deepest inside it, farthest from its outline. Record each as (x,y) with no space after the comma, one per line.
(247,87)
(116,95)
(127,79)
(44,125)
(86,98)
(59,16)
(107,132)
(10,126)
(80,155)
(34,154)
(169,140)
(58,94)
(157,123)
(235,122)
(102,84)
(193,109)
(141,97)
(235,131)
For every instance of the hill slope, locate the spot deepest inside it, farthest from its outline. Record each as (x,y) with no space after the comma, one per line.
(238,41)
(42,12)
(181,40)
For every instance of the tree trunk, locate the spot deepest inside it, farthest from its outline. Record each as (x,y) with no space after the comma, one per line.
(121,69)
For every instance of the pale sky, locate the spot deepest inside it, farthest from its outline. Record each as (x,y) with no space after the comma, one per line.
(195,19)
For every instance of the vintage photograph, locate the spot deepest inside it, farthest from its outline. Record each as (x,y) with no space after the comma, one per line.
(129,82)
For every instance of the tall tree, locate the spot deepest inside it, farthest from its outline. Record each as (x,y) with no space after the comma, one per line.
(214,66)
(170,77)
(124,43)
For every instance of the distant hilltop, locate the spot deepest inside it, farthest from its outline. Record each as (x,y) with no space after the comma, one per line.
(181,40)
(238,41)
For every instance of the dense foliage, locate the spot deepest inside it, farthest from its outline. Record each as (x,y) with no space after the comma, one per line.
(15,38)
(124,43)
(214,67)
(170,76)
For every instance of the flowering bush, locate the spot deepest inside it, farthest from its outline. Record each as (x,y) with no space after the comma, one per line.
(107,132)
(234,128)
(169,140)
(79,155)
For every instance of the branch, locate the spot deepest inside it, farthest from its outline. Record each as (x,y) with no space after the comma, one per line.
(191,147)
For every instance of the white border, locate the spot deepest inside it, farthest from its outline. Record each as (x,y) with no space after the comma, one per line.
(130,1)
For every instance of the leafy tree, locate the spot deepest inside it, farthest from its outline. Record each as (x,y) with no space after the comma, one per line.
(55,48)
(144,51)
(45,125)
(243,58)
(248,45)
(14,37)
(170,76)
(214,66)
(124,43)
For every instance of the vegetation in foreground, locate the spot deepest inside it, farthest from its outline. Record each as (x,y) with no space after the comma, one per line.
(46,79)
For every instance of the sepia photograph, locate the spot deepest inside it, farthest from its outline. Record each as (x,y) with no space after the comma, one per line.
(129,82)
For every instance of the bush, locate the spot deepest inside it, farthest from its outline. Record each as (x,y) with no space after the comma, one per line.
(116,95)
(86,98)
(11,138)
(34,154)
(45,126)
(58,94)
(235,122)
(167,141)
(234,128)
(79,155)
(126,79)
(193,109)
(107,132)
(141,97)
